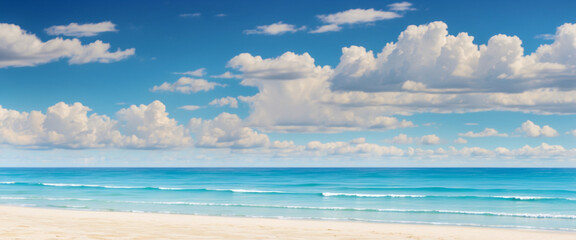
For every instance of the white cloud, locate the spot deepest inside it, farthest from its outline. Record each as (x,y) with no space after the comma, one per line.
(487,132)
(345,148)
(278,28)
(82,30)
(226,131)
(573,132)
(70,126)
(231,101)
(334,21)
(196,73)
(401,139)
(401,6)
(460,141)
(428,55)
(226,75)
(359,140)
(19,48)
(292,84)
(430,140)
(221,15)
(327,28)
(532,130)
(148,126)
(189,107)
(187,85)
(358,15)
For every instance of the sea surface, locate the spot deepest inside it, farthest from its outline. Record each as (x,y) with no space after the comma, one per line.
(505,198)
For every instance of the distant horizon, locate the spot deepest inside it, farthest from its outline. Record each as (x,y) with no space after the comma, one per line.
(442,84)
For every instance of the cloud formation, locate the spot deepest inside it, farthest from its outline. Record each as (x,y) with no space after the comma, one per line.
(187,85)
(278,28)
(196,73)
(333,22)
(82,30)
(487,132)
(226,131)
(530,129)
(70,126)
(19,48)
(225,101)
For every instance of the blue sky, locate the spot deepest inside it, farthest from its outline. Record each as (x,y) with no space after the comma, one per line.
(288,83)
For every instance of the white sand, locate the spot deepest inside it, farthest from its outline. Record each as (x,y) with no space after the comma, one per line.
(34,223)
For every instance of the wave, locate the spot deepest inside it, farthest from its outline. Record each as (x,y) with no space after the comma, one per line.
(323,194)
(424,211)
(328,194)
(244,191)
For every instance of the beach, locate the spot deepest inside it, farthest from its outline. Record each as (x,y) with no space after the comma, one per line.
(37,223)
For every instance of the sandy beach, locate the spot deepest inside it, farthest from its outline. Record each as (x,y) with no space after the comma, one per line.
(35,223)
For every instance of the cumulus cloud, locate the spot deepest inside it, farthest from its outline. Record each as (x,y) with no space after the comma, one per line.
(70,126)
(82,30)
(187,85)
(19,48)
(148,126)
(278,28)
(346,148)
(196,73)
(226,131)
(430,140)
(230,101)
(292,84)
(530,129)
(573,132)
(334,21)
(487,132)
(401,139)
(428,57)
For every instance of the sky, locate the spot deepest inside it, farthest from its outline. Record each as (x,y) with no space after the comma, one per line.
(288,83)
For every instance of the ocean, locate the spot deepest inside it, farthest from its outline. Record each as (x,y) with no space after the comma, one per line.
(530,198)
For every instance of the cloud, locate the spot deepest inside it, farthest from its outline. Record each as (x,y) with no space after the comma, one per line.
(545,36)
(227,75)
(19,48)
(226,131)
(187,85)
(334,21)
(189,107)
(70,126)
(532,130)
(196,73)
(292,83)
(573,132)
(346,148)
(231,101)
(487,132)
(401,139)
(148,126)
(430,140)
(401,6)
(278,28)
(460,141)
(438,62)
(190,15)
(327,28)
(82,30)
(221,15)
(354,16)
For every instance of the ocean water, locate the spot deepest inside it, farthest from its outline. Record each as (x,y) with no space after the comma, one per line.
(506,198)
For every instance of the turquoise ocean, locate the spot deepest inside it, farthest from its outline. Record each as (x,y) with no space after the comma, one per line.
(532,198)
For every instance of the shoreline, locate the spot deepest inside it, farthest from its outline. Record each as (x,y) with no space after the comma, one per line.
(45,223)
